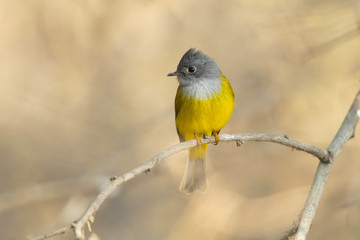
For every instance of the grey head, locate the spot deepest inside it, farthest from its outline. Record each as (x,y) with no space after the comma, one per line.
(195,66)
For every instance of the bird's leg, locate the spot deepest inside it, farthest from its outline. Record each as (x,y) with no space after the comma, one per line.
(217,138)
(198,140)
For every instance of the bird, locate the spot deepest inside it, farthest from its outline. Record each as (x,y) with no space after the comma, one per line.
(204,104)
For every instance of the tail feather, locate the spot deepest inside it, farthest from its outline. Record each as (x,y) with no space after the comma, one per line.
(195,175)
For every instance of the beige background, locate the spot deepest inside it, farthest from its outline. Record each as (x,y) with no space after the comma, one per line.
(84,96)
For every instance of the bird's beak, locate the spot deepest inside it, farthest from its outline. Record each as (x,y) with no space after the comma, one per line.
(172,74)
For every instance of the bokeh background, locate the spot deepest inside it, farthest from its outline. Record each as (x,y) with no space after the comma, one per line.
(84,96)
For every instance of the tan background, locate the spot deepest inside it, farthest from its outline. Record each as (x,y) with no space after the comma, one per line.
(84,96)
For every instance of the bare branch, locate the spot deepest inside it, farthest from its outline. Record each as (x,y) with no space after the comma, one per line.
(78,226)
(54,233)
(344,134)
(283,140)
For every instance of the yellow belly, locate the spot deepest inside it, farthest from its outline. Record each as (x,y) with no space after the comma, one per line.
(194,116)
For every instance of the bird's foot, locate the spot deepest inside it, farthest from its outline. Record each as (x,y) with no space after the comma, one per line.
(217,138)
(198,140)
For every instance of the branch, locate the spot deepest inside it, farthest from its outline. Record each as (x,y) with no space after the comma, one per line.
(347,131)
(88,217)
(60,231)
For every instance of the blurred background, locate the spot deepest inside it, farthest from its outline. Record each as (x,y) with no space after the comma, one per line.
(84,96)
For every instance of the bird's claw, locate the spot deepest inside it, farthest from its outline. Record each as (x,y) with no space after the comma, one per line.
(198,140)
(217,138)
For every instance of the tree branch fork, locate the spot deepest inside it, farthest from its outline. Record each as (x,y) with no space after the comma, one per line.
(300,226)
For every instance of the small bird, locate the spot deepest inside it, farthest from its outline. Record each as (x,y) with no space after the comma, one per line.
(204,103)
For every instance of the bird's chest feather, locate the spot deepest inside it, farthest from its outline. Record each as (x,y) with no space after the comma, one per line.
(202,115)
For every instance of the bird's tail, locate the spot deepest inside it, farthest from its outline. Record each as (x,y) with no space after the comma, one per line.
(195,176)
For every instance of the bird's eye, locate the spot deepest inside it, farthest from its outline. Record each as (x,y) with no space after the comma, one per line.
(192,69)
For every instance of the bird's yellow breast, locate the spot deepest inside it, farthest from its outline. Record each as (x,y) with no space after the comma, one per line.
(202,116)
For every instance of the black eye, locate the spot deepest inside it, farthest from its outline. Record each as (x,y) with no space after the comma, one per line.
(192,69)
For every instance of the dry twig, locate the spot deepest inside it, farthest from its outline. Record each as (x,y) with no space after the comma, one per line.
(346,131)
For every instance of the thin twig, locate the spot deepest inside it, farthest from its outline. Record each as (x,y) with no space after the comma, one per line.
(283,140)
(79,226)
(346,131)
(344,134)
(54,233)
